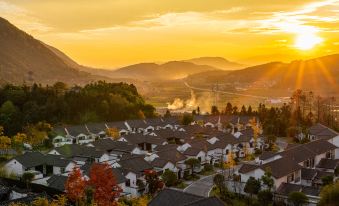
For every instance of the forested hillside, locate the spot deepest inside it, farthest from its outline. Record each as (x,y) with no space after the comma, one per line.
(100,101)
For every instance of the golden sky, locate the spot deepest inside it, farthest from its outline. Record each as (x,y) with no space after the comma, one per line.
(112,33)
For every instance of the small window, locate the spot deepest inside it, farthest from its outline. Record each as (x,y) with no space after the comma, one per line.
(290,178)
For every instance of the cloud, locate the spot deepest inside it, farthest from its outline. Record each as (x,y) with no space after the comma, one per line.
(22,18)
(180,21)
(301,20)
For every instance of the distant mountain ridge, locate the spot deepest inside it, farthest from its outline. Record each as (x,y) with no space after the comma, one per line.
(318,74)
(25,59)
(217,62)
(166,71)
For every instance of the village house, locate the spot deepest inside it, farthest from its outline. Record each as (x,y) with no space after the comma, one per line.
(46,164)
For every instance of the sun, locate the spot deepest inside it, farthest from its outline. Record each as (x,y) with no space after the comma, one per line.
(307,41)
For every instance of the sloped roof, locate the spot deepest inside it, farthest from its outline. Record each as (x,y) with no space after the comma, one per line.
(76,130)
(96,128)
(303,152)
(267,154)
(108,144)
(287,188)
(245,168)
(328,163)
(170,197)
(279,168)
(32,159)
(322,131)
(140,138)
(308,174)
(209,201)
(171,155)
(136,165)
(57,182)
(72,150)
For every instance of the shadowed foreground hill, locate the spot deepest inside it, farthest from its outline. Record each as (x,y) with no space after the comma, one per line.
(23,58)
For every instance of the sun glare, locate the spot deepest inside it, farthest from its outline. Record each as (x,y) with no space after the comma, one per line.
(307,41)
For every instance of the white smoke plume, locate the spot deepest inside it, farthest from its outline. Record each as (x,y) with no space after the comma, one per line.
(204,102)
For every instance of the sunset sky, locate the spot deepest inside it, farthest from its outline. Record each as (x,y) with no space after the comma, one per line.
(113,33)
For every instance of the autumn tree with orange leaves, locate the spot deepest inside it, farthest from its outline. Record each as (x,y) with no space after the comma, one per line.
(75,186)
(104,185)
(154,184)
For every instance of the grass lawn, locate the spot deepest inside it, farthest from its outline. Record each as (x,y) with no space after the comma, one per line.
(207,173)
(181,185)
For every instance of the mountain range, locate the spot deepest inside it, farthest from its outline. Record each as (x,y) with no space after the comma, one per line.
(24,58)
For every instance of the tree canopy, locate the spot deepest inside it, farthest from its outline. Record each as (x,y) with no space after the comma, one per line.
(99,101)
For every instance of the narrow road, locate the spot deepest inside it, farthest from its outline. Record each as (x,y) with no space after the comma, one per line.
(201,187)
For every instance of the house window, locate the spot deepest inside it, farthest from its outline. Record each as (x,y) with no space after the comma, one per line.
(290,178)
(227,151)
(62,169)
(307,163)
(128,182)
(312,163)
(329,155)
(199,158)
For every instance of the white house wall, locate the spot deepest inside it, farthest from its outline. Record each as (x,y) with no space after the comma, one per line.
(13,166)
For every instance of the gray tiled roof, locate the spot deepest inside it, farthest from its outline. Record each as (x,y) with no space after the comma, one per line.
(308,174)
(135,164)
(209,201)
(328,163)
(170,197)
(57,182)
(32,159)
(286,188)
(72,150)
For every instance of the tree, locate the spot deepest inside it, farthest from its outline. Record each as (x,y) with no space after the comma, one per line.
(103,183)
(265,197)
(75,186)
(113,133)
(27,178)
(167,114)
(327,180)
(252,186)
(219,181)
(8,115)
(249,110)
(243,110)
(5,142)
(186,119)
(329,195)
(192,163)
(256,130)
(214,110)
(19,139)
(235,110)
(297,198)
(154,184)
(267,179)
(37,133)
(169,178)
(198,110)
(230,161)
(229,109)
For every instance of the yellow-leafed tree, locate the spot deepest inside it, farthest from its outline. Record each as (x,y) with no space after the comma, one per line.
(5,142)
(112,133)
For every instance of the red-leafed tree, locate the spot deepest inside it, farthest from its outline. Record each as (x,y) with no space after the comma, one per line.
(75,186)
(104,185)
(154,184)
